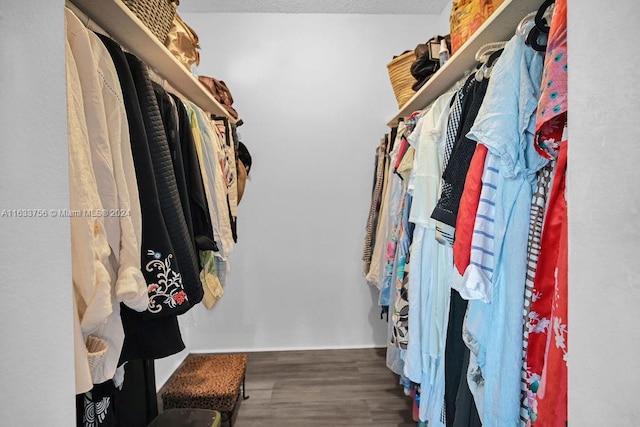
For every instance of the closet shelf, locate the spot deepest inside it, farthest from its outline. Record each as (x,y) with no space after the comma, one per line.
(500,26)
(124,27)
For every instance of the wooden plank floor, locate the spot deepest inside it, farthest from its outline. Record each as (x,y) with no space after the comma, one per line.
(322,388)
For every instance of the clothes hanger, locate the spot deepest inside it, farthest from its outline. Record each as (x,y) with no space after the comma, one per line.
(541,18)
(486,50)
(484,70)
(540,28)
(491,62)
(486,56)
(522,26)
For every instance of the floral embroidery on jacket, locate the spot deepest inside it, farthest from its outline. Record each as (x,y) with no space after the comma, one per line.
(168,289)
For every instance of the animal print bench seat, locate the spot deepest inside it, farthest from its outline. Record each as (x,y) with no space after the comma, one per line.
(207,381)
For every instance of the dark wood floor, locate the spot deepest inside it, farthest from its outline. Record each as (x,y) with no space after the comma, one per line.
(322,388)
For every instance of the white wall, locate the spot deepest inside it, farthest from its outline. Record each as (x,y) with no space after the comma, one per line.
(315,96)
(604,203)
(36,317)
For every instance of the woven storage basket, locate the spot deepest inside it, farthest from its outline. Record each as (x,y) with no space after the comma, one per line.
(156,15)
(401,78)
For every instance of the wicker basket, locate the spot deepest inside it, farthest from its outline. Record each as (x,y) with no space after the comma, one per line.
(401,78)
(156,15)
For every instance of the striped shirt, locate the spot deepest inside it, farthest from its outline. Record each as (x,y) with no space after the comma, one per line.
(477,278)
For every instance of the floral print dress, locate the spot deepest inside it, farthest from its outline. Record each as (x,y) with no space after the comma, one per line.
(546,361)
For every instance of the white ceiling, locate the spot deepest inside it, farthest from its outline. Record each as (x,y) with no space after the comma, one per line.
(310,6)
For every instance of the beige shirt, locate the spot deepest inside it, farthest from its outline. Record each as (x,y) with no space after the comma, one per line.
(106,193)
(89,247)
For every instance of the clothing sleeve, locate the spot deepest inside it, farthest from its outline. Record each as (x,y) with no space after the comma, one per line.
(478,276)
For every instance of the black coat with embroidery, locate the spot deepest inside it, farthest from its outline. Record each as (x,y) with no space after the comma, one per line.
(154,333)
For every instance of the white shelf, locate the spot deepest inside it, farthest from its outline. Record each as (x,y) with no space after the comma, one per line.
(124,27)
(500,26)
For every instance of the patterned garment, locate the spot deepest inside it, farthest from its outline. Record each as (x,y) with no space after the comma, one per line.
(376,197)
(546,361)
(477,279)
(411,121)
(404,146)
(446,210)
(394,201)
(444,231)
(552,108)
(400,315)
(95,408)
(538,206)
(396,204)
(548,316)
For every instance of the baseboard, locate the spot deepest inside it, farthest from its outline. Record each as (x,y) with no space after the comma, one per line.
(293,348)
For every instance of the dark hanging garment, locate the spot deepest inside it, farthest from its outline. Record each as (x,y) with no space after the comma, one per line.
(453,125)
(169,117)
(459,404)
(154,333)
(455,173)
(466,412)
(137,401)
(168,193)
(96,408)
(199,209)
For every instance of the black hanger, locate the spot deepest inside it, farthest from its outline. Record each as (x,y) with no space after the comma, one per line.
(494,56)
(540,27)
(540,21)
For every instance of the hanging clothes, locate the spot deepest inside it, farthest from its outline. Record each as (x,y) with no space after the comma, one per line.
(230,171)
(445,232)
(96,408)
(169,115)
(468,209)
(538,208)
(400,314)
(374,208)
(548,331)
(466,104)
(395,198)
(460,406)
(210,157)
(378,258)
(446,211)
(89,247)
(111,160)
(198,207)
(154,333)
(112,165)
(424,362)
(505,124)
(168,194)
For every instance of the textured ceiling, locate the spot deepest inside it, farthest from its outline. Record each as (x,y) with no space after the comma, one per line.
(315,6)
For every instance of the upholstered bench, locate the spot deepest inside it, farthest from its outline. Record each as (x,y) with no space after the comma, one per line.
(207,381)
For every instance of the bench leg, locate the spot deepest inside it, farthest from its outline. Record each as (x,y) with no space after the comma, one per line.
(227,417)
(244,396)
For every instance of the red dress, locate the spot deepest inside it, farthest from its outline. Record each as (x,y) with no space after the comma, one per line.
(546,361)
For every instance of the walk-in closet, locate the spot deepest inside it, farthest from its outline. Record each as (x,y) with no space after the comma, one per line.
(239,213)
